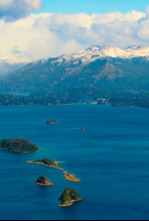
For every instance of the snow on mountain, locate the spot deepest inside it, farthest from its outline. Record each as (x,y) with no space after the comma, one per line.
(97,52)
(89,55)
(79,70)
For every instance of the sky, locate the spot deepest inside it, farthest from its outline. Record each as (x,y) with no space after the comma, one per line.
(36,29)
(93,6)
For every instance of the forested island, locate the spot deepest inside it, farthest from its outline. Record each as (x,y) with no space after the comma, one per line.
(68,197)
(43,181)
(46,162)
(19,145)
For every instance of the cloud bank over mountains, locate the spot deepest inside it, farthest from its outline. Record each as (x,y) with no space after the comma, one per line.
(28,36)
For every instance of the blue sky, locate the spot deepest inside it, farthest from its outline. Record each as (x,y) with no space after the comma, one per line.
(93,6)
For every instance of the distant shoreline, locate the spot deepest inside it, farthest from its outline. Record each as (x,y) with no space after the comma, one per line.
(123,106)
(30,105)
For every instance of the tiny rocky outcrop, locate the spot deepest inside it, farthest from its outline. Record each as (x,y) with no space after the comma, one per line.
(51,122)
(82,128)
(68,197)
(43,181)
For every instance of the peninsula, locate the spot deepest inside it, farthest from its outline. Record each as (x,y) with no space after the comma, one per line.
(68,197)
(46,162)
(43,181)
(71,177)
(19,145)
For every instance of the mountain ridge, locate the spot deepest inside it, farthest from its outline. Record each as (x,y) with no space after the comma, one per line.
(96,52)
(109,68)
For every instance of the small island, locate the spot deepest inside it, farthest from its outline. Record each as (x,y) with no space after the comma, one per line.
(19,145)
(51,122)
(43,181)
(68,197)
(71,177)
(82,128)
(46,162)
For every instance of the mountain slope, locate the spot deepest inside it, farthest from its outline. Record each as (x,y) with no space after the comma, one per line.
(108,68)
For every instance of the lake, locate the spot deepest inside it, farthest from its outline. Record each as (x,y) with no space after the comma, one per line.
(111,158)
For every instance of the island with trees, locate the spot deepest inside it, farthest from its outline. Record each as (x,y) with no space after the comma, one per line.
(19,145)
(46,162)
(68,197)
(43,181)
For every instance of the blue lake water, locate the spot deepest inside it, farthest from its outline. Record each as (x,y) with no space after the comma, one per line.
(111,158)
(14,93)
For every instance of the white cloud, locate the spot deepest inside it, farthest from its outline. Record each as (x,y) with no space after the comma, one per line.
(5,3)
(47,34)
(33,4)
(15,9)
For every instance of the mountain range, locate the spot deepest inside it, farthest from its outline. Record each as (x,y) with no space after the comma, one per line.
(107,68)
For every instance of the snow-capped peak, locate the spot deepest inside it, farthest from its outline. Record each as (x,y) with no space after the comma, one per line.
(97,52)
